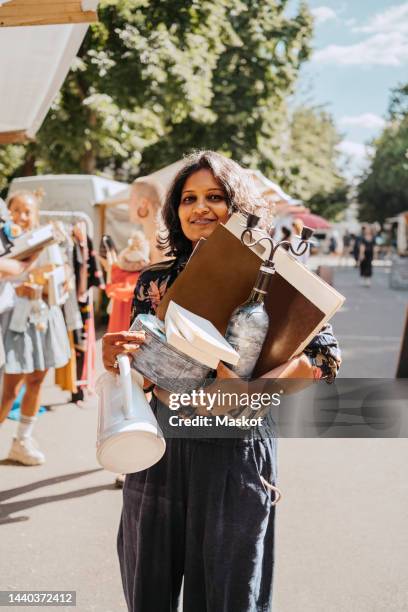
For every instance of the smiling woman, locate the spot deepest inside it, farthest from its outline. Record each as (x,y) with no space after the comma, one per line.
(203,205)
(194,206)
(206,510)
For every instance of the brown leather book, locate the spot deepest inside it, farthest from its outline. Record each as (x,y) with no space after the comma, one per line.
(220,275)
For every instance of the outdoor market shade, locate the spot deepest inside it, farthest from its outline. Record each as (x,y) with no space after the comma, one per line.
(268,188)
(83,193)
(313,221)
(34,61)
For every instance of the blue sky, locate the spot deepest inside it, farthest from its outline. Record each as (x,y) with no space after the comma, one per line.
(360,54)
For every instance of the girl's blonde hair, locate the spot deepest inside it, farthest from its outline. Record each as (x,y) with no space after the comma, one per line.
(38,195)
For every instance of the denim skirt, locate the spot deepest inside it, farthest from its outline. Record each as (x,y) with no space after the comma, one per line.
(32,349)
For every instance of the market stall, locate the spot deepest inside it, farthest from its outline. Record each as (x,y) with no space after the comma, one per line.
(87,194)
(39,40)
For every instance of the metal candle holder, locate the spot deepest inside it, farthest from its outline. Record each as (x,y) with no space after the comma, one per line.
(248,239)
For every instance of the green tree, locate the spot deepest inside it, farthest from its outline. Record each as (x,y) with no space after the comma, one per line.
(311,161)
(11,158)
(139,67)
(398,108)
(155,79)
(383,192)
(330,204)
(252,79)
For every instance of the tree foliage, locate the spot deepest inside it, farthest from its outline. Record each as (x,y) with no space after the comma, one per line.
(383,191)
(310,164)
(11,158)
(330,204)
(155,79)
(254,73)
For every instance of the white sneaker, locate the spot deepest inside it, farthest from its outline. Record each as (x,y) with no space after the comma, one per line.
(25,451)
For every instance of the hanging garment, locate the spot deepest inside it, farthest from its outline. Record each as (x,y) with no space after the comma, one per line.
(89,364)
(86,267)
(66,377)
(120,291)
(87,275)
(34,345)
(107,255)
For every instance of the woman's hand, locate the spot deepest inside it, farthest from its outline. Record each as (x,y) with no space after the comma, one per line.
(120,342)
(298,371)
(15,267)
(224,373)
(226,382)
(297,367)
(29,263)
(27,290)
(290,377)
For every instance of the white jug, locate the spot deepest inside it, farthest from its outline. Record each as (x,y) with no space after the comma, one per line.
(129,437)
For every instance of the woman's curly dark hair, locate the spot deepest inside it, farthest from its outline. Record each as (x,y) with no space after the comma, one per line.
(239,194)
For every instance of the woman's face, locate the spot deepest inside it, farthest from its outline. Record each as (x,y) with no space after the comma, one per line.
(203,205)
(24,212)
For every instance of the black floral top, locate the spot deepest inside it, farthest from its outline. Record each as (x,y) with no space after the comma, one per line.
(323,351)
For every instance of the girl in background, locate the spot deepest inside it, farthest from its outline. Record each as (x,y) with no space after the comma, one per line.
(35,339)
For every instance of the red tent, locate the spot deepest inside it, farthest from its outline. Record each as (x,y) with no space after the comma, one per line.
(313,221)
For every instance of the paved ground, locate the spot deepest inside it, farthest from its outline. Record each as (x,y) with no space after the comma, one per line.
(370,324)
(342,541)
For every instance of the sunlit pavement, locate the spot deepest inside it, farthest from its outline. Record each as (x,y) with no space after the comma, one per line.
(370,324)
(342,541)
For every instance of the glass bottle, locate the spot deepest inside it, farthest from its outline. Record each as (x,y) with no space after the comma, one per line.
(39,310)
(248,326)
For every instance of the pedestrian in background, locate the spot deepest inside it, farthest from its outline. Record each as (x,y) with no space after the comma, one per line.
(356,248)
(347,238)
(366,256)
(333,244)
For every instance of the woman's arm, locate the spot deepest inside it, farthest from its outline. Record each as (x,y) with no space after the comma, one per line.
(10,267)
(321,359)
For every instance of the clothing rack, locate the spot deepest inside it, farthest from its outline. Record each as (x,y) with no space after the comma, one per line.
(68,215)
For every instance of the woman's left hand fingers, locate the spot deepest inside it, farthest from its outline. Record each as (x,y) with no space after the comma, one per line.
(129,348)
(223,372)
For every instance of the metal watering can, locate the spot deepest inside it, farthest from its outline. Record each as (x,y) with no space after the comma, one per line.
(129,438)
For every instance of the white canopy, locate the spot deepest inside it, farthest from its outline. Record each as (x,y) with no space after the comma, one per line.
(34,60)
(268,188)
(83,193)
